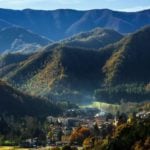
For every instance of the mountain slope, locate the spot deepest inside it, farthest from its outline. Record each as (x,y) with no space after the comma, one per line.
(10,61)
(65,70)
(14,39)
(60,72)
(94,39)
(59,24)
(130,62)
(127,74)
(13,102)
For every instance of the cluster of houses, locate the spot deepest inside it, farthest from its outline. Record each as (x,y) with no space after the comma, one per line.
(61,128)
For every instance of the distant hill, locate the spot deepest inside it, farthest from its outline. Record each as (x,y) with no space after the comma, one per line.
(13,102)
(13,39)
(94,39)
(62,23)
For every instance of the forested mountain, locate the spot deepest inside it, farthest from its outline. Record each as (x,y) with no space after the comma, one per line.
(61,23)
(127,70)
(53,68)
(130,62)
(65,70)
(94,39)
(13,102)
(120,70)
(13,39)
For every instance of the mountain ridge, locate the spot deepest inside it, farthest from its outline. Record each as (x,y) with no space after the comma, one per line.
(61,23)
(63,72)
(93,39)
(15,39)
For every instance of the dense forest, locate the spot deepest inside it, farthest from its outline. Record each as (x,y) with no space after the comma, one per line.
(119,70)
(13,102)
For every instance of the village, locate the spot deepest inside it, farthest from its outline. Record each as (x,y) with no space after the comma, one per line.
(81,127)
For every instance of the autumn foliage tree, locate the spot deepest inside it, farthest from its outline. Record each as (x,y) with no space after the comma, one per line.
(79,135)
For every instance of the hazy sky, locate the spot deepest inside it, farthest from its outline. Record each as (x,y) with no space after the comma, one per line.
(123,5)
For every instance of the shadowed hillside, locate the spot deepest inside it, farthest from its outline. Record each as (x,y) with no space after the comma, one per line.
(130,62)
(64,70)
(120,70)
(15,103)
